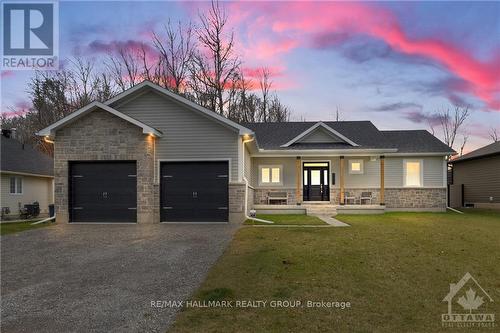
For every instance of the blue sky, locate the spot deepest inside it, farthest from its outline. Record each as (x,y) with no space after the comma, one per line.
(394,63)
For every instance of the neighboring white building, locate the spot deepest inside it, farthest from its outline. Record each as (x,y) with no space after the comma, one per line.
(27,175)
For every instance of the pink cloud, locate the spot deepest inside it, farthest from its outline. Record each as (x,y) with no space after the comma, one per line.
(279,28)
(6,74)
(133,46)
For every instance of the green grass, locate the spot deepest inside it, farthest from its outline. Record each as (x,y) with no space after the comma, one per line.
(394,269)
(287,219)
(10,228)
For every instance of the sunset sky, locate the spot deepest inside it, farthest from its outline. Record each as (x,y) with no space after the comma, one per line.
(394,63)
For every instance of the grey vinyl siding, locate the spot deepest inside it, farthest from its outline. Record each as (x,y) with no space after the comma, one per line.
(394,172)
(481,179)
(288,164)
(370,176)
(433,171)
(248,165)
(320,135)
(186,133)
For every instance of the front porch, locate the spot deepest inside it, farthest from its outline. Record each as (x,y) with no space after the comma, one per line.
(319,209)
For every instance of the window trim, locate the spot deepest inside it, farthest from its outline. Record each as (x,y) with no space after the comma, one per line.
(17,180)
(362,168)
(410,160)
(270,167)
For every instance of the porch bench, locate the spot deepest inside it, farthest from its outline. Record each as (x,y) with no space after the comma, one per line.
(277,196)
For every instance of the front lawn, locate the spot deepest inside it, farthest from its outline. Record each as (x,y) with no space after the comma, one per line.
(10,228)
(287,219)
(394,269)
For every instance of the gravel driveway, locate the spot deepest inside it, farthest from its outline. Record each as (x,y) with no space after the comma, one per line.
(102,278)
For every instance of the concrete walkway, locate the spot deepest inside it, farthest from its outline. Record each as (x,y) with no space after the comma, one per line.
(331,221)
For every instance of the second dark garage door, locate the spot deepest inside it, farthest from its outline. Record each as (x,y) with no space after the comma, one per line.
(103,191)
(194,191)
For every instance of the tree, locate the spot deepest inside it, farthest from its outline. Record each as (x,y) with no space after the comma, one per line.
(123,68)
(215,65)
(176,50)
(265,85)
(465,138)
(493,134)
(451,121)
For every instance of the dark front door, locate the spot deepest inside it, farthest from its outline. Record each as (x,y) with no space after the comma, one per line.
(194,191)
(102,192)
(316,181)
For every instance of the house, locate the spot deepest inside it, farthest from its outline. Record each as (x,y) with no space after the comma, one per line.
(475,178)
(27,176)
(149,155)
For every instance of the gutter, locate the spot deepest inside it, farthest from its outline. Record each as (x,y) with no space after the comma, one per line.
(247,186)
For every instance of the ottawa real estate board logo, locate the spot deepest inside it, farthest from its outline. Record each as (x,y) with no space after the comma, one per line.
(30,35)
(467,305)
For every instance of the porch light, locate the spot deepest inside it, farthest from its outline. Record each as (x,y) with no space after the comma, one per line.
(47,139)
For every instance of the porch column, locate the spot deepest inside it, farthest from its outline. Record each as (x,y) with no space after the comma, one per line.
(382,180)
(298,179)
(341,180)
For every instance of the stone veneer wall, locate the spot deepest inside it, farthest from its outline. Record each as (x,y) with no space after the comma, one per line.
(356,192)
(102,136)
(260,195)
(237,202)
(420,198)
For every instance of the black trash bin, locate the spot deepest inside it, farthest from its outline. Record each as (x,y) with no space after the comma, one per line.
(51,210)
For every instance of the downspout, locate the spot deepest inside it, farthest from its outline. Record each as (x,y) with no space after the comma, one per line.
(247,186)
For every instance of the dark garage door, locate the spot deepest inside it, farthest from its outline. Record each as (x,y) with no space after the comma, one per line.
(103,192)
(194,191)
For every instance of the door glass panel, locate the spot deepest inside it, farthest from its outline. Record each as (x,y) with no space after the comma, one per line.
(305,178)
(315,177)
(316,164)
(325,177)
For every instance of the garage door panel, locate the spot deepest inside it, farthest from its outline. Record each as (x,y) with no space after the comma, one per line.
(194,191)
(103,192)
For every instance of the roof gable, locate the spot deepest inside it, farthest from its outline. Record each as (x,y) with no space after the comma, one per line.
(50,130)
(314,131)
(320,135)
(143,86)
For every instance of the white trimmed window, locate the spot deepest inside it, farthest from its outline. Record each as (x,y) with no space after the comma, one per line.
(355,167)
(413,173)
(16,185)
(271,175)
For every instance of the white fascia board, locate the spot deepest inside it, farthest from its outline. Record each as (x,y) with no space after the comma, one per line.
(242,130)
(326,127)
(49,131)
(418,154)
(324,152)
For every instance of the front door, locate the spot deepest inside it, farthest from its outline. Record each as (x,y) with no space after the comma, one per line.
(316,180)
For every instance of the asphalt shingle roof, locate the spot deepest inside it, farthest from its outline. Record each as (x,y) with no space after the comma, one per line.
(17,157)
(488,150)
(271,136)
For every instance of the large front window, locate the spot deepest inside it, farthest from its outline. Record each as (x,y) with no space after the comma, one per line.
(413,173)
(270,175)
